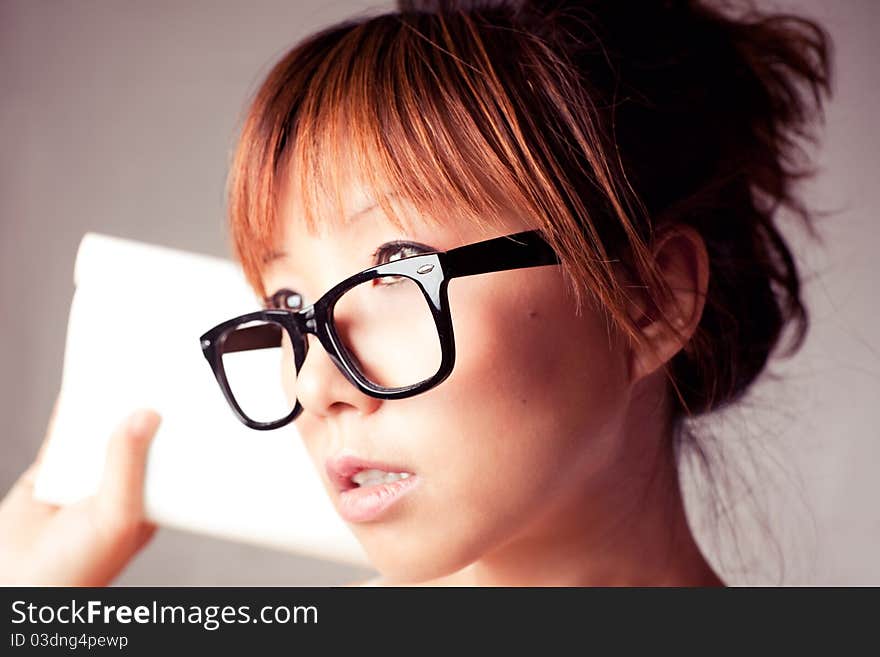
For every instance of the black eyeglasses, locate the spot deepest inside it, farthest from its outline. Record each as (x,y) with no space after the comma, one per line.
(388,329)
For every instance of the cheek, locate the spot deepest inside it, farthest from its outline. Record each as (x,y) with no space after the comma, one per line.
(528,360)
(531,408)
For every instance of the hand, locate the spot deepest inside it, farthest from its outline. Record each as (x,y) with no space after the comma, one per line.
(87,543)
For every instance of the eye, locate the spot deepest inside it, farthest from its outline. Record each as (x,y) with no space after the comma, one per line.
(391,251)
(285,299)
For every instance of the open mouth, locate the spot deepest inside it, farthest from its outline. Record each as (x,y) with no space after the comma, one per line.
(373,477)
(347,472)
(367,489)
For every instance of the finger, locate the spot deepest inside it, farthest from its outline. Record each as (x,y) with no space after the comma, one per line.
(21,494)
(50,429)
(28,477)
(20,500)
(146,531)
(120,496)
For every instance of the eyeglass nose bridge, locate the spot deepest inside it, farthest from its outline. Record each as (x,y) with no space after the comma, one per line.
(305,321)
(312,320)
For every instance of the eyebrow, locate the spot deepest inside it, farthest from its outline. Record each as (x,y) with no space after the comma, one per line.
(275,255)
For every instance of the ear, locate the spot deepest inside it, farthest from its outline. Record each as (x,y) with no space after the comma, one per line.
(681,258)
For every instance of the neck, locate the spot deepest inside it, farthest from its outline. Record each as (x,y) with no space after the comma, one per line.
(630,529)
(641,540)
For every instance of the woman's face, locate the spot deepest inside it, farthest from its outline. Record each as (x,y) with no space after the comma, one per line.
(525,424)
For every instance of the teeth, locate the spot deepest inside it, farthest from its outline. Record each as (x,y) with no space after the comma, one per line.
(375,477)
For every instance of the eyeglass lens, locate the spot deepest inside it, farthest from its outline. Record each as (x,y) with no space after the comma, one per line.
(386,330)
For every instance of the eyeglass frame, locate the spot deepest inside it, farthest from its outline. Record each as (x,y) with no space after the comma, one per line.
(432,272)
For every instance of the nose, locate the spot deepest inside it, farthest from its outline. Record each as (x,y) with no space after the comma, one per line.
(324,391)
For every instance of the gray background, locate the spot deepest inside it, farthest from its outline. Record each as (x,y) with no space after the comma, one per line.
(119,118)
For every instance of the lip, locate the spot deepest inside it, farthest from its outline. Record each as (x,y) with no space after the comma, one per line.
(340,469)
(356,504)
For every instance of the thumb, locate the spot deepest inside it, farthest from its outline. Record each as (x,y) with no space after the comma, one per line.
(121,495)
(29,477)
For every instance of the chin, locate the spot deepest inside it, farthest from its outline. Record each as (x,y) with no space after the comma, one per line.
(400,564)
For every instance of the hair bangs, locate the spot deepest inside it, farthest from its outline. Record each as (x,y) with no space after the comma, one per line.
(387,105)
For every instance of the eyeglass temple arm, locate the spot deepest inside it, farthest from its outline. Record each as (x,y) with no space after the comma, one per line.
(526,249)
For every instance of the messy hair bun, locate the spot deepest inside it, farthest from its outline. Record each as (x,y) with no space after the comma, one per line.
(707,112)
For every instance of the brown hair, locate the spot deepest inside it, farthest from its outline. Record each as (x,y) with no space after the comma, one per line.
(609,122)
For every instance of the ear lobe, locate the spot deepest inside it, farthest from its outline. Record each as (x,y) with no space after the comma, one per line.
(667,324)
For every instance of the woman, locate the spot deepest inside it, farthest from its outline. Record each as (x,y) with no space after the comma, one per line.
(566,214)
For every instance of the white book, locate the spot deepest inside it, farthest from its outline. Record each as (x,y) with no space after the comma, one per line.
(133,341)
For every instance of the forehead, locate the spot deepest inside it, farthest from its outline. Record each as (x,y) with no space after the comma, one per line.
(340,236)
(354,215)
(331,215)
(332,199)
